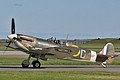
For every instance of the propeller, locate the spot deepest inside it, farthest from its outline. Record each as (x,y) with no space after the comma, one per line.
(12,32)
(66,38)
(66,41)
(13,26)
(7,47)
(9,44)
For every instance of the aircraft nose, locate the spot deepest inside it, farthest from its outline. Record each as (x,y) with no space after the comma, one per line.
(11,36)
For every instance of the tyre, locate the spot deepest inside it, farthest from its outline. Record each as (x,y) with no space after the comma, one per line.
(25,64)
(36,64)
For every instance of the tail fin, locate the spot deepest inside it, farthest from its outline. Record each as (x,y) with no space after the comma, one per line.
(108,50)
(106,55)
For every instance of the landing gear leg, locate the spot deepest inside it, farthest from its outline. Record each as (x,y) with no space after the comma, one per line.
(26,63)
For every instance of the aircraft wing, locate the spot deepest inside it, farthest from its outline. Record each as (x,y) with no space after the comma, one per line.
(56,52)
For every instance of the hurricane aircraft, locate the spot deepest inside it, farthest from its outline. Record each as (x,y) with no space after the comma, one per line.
(44,49)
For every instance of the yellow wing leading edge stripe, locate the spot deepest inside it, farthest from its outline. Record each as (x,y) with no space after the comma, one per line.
(77,54)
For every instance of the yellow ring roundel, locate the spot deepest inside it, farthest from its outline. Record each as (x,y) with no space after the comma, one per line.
(77,54)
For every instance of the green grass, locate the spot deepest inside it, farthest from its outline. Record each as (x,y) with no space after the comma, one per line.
(115,62)
(97,45)
(17,61)
(10,61)
(3,48)
(66,62)
(59,76)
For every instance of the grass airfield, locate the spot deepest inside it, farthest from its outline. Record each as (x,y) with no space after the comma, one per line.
(96,45)
(59,76)
(17,61)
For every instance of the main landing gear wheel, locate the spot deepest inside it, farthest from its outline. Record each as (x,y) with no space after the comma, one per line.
(36,64)
(25,64)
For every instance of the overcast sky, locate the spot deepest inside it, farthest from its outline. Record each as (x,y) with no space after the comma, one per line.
(57,18)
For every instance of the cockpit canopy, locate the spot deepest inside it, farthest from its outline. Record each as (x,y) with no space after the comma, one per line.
(54,40)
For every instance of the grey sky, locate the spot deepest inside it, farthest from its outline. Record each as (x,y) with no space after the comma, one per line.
(57,18)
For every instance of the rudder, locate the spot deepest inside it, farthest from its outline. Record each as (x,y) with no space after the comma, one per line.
(106,55)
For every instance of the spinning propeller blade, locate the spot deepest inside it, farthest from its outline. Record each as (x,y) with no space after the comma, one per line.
(7,46)
(12,32)
(13,26)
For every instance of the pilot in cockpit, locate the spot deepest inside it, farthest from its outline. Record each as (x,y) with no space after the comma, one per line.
(54,40)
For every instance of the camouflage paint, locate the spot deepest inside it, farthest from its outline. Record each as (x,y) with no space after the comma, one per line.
(48,49)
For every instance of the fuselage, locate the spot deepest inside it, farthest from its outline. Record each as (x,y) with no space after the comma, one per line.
(50,48)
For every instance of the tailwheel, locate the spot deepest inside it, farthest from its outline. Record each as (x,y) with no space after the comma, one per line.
(104,65)
(25,64)
(36,64)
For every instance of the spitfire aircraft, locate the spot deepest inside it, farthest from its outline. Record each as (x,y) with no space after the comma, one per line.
(44,49)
